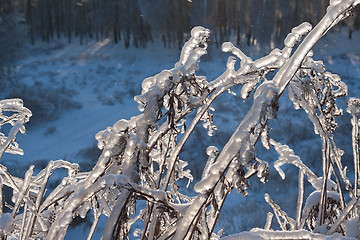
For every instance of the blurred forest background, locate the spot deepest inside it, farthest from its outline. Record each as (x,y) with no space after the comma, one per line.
(139,22)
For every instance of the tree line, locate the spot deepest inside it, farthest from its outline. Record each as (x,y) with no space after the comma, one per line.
(138,22)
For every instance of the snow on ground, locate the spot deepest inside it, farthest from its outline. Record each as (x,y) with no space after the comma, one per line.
(104,77)
(100,80)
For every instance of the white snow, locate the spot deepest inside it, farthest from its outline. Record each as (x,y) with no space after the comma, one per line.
(260,234)
(352,227)
(6,223)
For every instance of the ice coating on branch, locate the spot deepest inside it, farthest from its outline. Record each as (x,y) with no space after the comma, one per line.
(65,220)
(230,65)
(316,91)
(289,223)
(287,155)
(302,29)
(12,112)
(267,94)
(262,170)
(184,173)
(267,60)
(110,136)
(229,47)
(212,152)
(205,184)
(148,83)
(191,66)
(167,96)
(210,172)
(199,35)
(121,126)
(83,209)
(339,9)
(294,37)
(265,106)
(247,89)
(297,33)
(14,104)
(335,80)
(209,122)
(265,137)
(163,80)
(334,2)
(353,106)
(176,88)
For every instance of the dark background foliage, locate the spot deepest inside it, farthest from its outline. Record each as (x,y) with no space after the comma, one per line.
(138,22)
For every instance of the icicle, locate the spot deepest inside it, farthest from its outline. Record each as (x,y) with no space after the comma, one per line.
(300,199)
(269,218)
(212,152)
(247,89)
(265,138)
(354,109)
(263,170)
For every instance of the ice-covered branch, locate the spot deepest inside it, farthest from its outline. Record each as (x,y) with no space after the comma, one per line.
(20,115)
(264,108)
(337,10)
(354,109)
(287,155)
(140,157)
(289,223)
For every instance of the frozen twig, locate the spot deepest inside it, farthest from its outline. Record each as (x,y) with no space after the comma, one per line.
(300,199)
(289,223)
(287,155)
(269,218)
(354,109)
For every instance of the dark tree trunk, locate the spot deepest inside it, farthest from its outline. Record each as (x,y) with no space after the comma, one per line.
(29,17)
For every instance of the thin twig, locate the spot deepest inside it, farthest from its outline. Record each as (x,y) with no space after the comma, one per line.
(300,199)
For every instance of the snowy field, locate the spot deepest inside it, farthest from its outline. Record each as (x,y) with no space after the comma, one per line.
(75,91)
